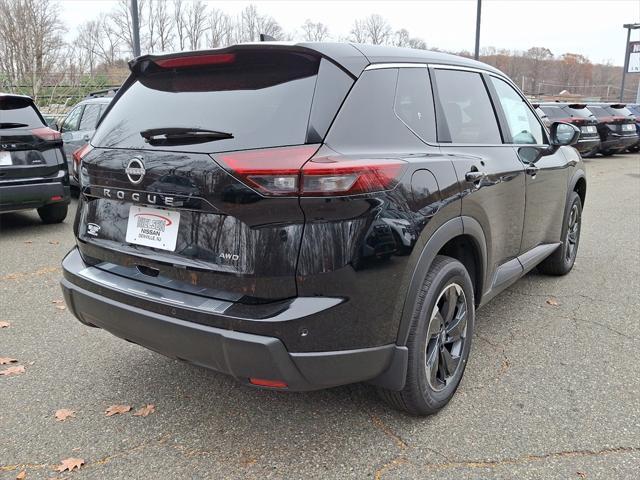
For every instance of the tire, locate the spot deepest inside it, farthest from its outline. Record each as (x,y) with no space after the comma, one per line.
(55,213)
(561,261)
(425,393)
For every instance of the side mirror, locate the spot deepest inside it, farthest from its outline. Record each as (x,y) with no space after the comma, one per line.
(564,134)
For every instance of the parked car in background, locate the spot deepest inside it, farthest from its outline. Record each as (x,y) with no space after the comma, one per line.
(616,127)
(579,115)
(631,110)
(291,215)
(33,167)
(80,124)
(53,120)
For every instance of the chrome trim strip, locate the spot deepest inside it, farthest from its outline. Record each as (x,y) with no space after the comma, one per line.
(380,66)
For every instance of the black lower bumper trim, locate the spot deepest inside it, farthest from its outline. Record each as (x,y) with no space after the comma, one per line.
(21,197)
(242,355)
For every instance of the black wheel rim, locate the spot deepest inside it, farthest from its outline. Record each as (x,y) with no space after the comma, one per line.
(573,233)
(446,336)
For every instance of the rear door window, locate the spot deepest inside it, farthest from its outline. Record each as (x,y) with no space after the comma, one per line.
(414,102)
(72,122)
(523,124)
(579,112)
(467,107)
(90,116)
(262,98)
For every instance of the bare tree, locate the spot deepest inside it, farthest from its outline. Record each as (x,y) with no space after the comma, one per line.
(359,32)
(162,25)
(178,19)
(378,29)
(315,32)
(220,29)
(123,23)
(195,23)
(539,56)
(251,24)
(31,41)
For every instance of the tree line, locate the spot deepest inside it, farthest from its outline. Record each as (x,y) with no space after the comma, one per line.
(36,59)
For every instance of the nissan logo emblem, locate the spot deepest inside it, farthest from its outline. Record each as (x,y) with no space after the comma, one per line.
(135,170)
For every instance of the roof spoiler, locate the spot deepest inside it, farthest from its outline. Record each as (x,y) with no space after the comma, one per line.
(618,105)
(577,106)
(109,92)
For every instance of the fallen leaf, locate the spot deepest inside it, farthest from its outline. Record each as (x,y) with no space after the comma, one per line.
(581,474)
(7,360)
(17,370)
(64,413)
(22,475)
(69,464)
(145,411)
(61,307)
(553,302)
(28,241)
(4,324)
(117,409)
(57,302)
(54,242)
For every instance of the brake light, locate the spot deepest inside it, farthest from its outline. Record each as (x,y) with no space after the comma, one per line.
(292,171)
(46,133)
(78,155)
(196,60)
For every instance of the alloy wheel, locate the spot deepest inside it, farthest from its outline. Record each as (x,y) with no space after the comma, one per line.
(573,233)
(446,336)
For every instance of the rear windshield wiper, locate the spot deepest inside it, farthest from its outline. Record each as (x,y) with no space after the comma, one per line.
(182,136)
(12,125)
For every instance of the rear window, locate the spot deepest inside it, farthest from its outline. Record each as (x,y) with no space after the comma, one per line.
(263,98)
(18,111)
(624,111)
(598,111)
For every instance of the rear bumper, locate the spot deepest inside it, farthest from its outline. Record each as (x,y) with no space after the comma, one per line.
(22,196)
(587,145)
(242,355)
(618,142)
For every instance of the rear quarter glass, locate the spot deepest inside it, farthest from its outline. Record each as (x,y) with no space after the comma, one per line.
(262,99)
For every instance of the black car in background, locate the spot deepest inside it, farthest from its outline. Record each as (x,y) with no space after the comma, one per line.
(631,110)
(33,166)
(616,127)
(312,215)
(579,115)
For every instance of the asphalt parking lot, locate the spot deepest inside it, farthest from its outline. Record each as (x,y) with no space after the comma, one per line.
(552,390)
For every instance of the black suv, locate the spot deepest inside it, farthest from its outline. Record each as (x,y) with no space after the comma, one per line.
(616,126)
(312,215)
(579,115)
(33,167)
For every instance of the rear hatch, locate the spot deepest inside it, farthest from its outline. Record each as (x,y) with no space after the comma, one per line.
(615,120)
(28,148)
(162,193)
(581,116)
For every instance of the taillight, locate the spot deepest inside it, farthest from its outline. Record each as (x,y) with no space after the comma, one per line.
(46,133)
(78,155)
(292,171)
(337,176)
(272,171)
(196,60)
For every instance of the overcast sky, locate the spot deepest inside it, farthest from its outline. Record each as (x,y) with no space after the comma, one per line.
(590,27)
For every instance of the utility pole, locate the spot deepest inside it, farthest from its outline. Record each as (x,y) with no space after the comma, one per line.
(476,55)
(629,27)
(135,27)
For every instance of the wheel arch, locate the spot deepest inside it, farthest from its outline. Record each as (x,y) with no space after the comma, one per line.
(461,238)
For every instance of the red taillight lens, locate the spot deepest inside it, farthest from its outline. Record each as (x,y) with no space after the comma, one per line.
(46,133)
(337,176)
(78,155)
(261,382)
(291,171)
(273,171)
(196,60)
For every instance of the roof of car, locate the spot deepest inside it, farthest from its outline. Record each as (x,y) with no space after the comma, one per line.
(96,100)
(15,95)
(351,56)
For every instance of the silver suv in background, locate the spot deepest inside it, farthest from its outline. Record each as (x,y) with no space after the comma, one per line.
(79,125)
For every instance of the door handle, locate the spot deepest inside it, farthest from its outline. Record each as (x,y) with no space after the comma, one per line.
(531,170)
(474,176)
